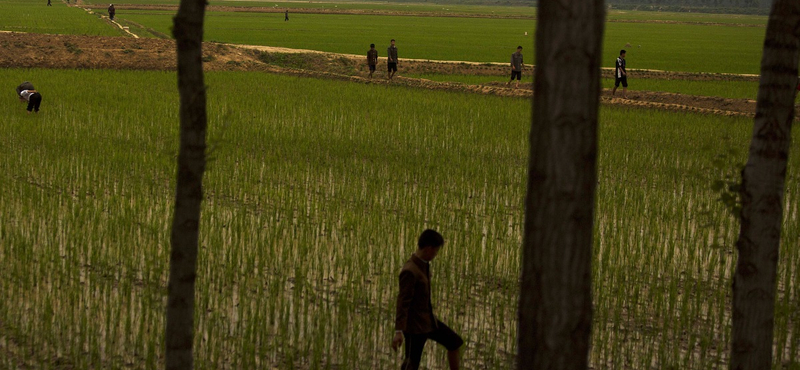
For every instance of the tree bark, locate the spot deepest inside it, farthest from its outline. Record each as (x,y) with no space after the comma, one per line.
(188,33)
(763,180)
(555,307)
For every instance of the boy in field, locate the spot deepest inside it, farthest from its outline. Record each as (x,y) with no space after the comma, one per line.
(391,60)
(372,59)
(516,66)
(414,320)
(620,75)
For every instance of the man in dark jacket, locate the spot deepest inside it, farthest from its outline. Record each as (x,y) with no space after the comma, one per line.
(372,59)
(391,60)
(516,66)
(112,11)
(414,320)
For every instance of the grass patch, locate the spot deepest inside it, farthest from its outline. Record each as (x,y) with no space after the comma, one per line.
(36,17)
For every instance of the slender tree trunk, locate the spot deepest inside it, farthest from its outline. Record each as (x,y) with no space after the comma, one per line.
(188,33)
(763,181)
(555,307)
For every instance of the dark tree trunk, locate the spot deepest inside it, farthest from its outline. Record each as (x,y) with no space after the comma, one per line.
(763,181)
(555,308)
(188,33)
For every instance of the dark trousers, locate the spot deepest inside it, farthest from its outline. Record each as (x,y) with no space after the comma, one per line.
(34,101)
(415,343)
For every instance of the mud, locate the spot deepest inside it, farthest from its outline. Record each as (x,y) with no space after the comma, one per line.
(23,50)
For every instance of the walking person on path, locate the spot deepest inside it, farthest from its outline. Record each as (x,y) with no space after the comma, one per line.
(415,321)
(286,17)
(111,11)
(516,67)
(620,75)
(372,59)
(391,62)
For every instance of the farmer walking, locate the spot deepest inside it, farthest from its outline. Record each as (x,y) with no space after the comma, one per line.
(111,11)
(286,16)
(372,59)
(516,67)
(48,3)
(391,55)
(620,75)
(415,321)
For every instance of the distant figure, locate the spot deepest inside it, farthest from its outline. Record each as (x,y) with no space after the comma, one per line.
(48,3)
(391,55)
(414,320)
(28,94)
(372,59)
(286,15)
(620,75)
(111,11)
(516,67)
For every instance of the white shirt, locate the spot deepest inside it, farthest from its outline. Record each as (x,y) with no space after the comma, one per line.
(26,94)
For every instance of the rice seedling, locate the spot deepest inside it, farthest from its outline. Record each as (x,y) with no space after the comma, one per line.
(313,202)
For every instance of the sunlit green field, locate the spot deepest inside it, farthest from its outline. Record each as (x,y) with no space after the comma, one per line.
(313,202)
(36,16)
(673,47)
(516,11)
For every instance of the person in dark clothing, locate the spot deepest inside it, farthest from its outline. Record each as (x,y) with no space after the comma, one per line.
(372,59)
(111,11)
(286,15)
(620,75)
(48,3)
(516,66)
(33,98)
(414,320)
(391,54)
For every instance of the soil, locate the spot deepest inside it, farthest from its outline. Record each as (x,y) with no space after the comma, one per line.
(24,50)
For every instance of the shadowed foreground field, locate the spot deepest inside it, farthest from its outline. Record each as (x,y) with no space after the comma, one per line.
(314,200)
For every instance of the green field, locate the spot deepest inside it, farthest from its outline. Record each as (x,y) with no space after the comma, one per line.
(28,16)
(674,47)
(314,200)
(317,189)
(517,11)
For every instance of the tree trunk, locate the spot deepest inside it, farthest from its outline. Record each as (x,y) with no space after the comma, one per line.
(555,307)
(188,33)
(763,181)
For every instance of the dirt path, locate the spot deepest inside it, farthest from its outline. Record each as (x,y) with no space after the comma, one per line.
(23,50)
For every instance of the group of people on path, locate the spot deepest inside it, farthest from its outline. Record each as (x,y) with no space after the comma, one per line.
(391,59)
(517,63)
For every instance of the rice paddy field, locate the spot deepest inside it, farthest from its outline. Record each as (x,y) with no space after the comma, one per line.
(29,16)
(661,46)
(313,202)
(316,191)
